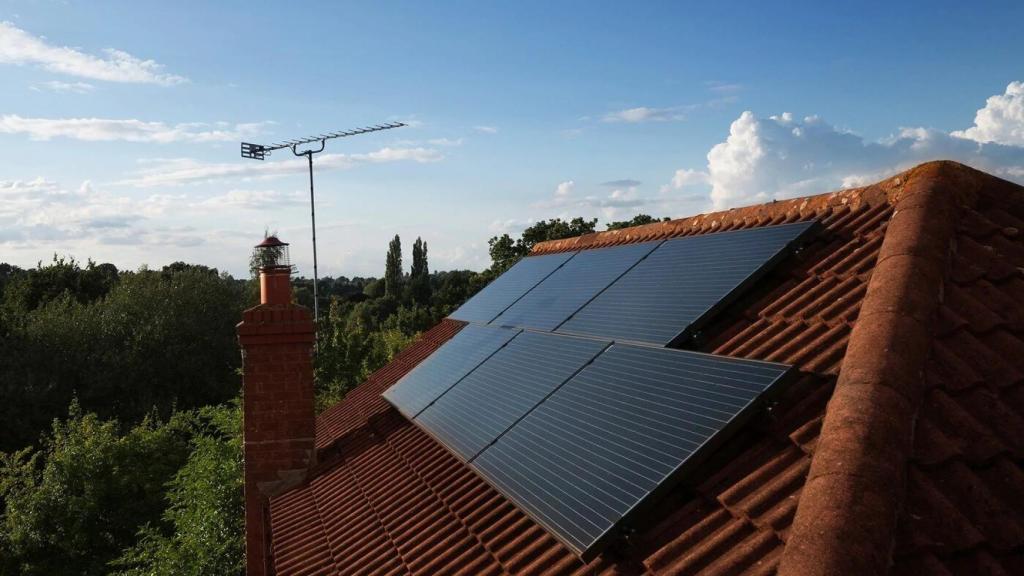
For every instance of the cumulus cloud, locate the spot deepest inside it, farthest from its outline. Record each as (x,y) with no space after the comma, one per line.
(64,87)
(177,171)
(1001,120)
(22,48)
(646,114)
(784,156)
(486,129)
(564,189)
(131,130)
(688,177)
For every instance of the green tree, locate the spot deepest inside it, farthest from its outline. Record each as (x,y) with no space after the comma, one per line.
(506,251)
(203,526)
(419,276)
(160,339)
(79,501)
(637,220)
(393,269)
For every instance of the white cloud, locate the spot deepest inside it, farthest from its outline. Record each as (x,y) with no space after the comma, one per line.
(42,211)
(688,177)
(177,171)
(253,200)
(131,130)
(1001,120)
(645,114)
(611,206)
(21,48)
(486,129)
(64,87)
(783,156)
(564,189)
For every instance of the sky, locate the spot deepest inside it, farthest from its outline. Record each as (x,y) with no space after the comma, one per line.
(120,122)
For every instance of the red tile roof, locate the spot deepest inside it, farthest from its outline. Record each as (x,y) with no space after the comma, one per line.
(899,449)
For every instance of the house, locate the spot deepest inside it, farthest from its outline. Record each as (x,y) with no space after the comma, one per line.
(897,450)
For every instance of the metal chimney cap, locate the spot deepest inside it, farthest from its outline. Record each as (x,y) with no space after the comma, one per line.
(270,242)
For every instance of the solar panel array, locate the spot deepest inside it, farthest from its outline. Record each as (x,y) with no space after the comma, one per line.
(669,293)
(622,429)
(654,292)
(584,431)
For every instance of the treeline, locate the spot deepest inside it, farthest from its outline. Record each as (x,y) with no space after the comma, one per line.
(120,425)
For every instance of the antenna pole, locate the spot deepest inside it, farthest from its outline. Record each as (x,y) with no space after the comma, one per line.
(312,217)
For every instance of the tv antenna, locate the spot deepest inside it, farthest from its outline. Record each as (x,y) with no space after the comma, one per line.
(260,152)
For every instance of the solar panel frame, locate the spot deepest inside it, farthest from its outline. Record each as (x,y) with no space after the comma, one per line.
(505,387)
(602,306)
(490,459)
(573,285)
(426,382)
(507,289)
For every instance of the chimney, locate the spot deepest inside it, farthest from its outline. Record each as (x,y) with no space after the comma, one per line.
(278,421)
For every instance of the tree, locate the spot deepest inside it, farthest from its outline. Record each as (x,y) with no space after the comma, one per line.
(393,269)
(505,251)
(202,528)
(638,220)
(419,277)
(164,339)
(76,504)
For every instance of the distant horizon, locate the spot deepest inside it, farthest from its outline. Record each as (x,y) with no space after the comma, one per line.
(121,142)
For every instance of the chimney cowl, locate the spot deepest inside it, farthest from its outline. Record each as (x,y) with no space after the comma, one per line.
(273,261)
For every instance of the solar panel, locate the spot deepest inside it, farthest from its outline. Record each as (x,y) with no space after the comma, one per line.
(485,305)
(474,412)
(678,286)
(570,287)
(446,366)
(624,429)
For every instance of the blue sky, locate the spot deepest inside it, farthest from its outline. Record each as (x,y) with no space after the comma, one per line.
(120,122)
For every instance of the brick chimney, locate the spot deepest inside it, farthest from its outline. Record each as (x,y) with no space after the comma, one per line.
(278,425)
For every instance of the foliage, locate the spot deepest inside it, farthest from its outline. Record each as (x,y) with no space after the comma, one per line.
(393,269)
(419,276)
(203,526)
(74,505)
(638,220)
(505,251)
(155,339)
(27,290)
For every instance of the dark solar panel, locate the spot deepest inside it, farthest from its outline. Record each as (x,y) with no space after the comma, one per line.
(446,366)
(626,427)
(509,287)
(672,291)
(573,285)
(478,409)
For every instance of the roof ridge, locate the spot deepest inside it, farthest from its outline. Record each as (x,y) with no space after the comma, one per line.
(846,519)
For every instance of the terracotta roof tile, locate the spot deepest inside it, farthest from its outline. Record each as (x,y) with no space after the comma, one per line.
(388,499)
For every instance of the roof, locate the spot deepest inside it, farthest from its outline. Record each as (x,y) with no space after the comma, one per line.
(899,449)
